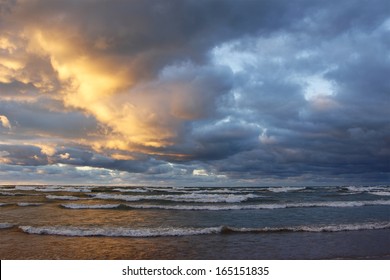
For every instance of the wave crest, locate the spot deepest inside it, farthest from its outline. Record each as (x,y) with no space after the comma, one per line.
(171,231)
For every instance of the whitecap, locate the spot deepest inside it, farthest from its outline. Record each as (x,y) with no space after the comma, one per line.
(380,193)
(118,231)
(5,225)
(285,189)
(131,190)
(172,231)
(23,204)
(8,194)
(63,189)
(63,197)
(25,188)
(90,206)
(224,207)
(193,197)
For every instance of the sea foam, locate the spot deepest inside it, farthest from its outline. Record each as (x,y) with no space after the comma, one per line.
(5,225)
(23,204)
(191,197)
(172,231)
(226,207)
(63,197)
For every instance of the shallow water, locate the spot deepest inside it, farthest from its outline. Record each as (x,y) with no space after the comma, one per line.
(60,222)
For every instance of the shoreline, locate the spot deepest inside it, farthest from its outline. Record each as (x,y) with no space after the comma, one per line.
(359,245)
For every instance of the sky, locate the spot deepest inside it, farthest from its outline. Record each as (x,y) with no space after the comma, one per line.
(195,92)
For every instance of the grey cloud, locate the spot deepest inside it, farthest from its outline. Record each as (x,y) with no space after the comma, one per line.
(23,155)
(253,121)
(33,120)
(156,33)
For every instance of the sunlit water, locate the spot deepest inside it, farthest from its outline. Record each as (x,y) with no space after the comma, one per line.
(62,222)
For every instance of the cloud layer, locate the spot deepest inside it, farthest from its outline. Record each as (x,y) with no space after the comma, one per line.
(194,92)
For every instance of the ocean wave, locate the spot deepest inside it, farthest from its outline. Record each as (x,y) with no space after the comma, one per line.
(5,225)
(131,190)
(54,188)
(90,206)
(25,188)
(314,228)
(192,197)
(23,204)
(6,189)
(381,193)
(358,189)
(8,194)
(119,231)
(4,204)
(338,204)
(227,207)
(285,189)
(64,197)
(172,231)
(17,194)
(63,189)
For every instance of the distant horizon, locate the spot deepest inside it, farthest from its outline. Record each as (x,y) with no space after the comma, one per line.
(193,186)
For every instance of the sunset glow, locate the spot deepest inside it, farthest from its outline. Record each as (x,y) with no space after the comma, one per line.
(194,92)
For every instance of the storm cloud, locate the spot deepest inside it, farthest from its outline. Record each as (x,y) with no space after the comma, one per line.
(195,92)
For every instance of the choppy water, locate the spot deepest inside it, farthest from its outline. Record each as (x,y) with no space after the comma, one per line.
(197,223)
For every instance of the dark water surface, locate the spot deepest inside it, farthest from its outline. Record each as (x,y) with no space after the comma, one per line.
(63,222)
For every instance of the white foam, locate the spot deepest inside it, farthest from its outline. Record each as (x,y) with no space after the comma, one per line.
(355,189)
(63,189)
(7,194)
(90,206)
(7,189)
(339,204)
(5,225)
(207,207)
(131,190)
(54,188)
(171,231)
(63,197)
(193,197)
(285,189)
(25,188)
(314,228)
(4,204)
(119,232)
(343,227)
(23,204)
(381,193)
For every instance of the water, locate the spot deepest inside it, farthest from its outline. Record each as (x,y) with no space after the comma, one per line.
(95,222)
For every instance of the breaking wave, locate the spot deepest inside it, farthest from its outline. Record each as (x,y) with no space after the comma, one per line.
(5,225)
(90,206)
(53,188)
(285,189)
(63,197)
(224,207)
(23,204)
(191,197)
(131,190)
(380,193)
(171,231)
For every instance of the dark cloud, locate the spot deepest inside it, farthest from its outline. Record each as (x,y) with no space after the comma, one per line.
(156,33)
(230,91)
(36,120)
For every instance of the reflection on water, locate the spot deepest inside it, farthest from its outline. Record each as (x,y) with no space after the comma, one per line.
(349,245)
(207,223)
